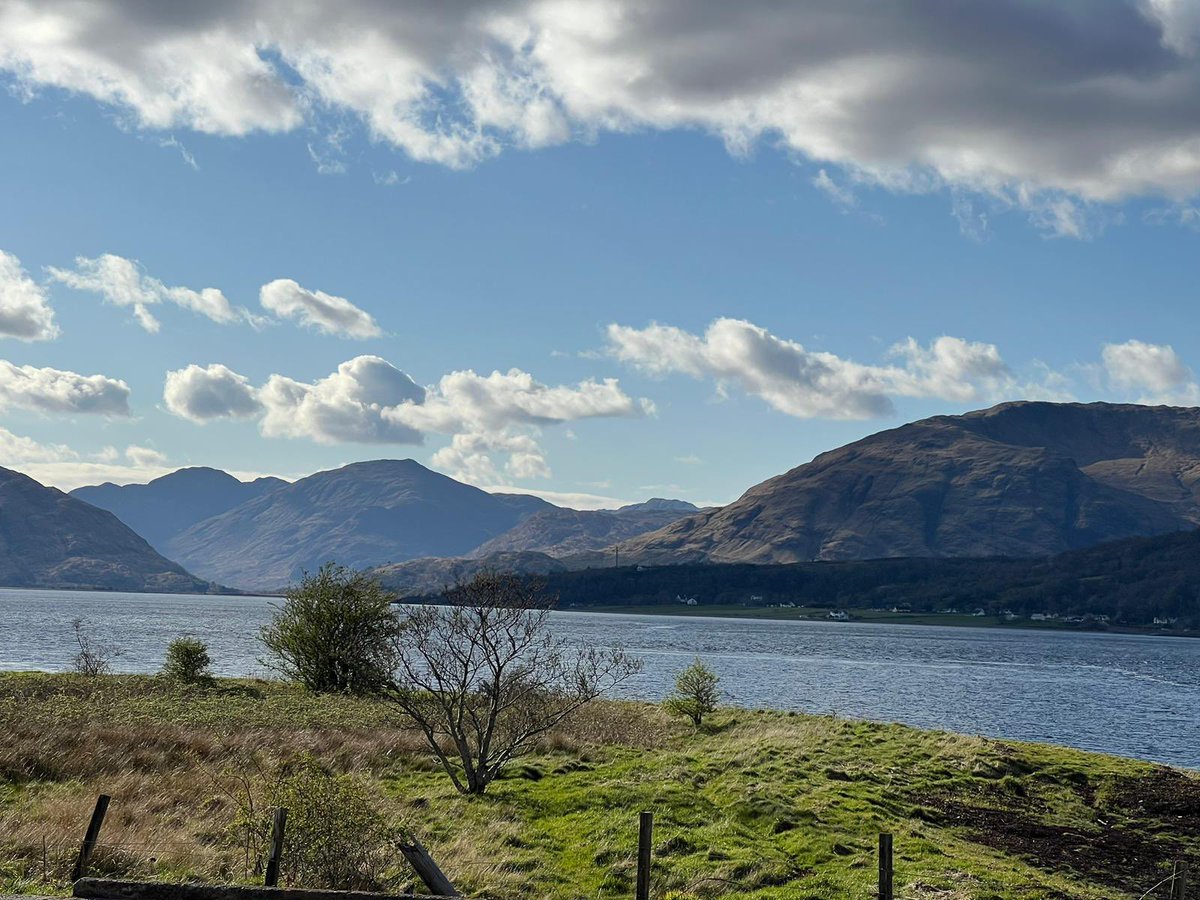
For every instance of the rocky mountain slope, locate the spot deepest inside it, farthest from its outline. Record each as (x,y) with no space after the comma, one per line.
(563,532)
(361,515)
(168,506)
(1020,479)
(49,539)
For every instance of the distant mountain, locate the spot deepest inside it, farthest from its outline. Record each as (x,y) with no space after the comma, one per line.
(168,506)
(49,539)
(563,532)
(1020,479)
(361,515)
(658,504)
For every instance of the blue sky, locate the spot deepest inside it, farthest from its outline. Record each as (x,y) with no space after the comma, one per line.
(696,293)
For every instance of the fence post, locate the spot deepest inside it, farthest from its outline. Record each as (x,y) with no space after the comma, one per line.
(278,824)
(885,867)
(1179,881)
(90,837)
(427,870)
(645,836)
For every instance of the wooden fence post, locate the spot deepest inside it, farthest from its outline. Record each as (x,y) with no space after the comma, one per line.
(427,870)
(1179,881)
(90,837)
(645,836)
(885,867)
(278,824)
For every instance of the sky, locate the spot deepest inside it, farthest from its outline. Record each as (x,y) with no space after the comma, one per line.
(599,251)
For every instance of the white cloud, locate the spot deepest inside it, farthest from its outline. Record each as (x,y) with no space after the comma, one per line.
(1154,372)
(59,466)
(370,401)
(1039,104)
(817,384)
(50,390)
(569,499)
(122,282)
(316,309)
(25,313)
(349,406)
(201,394)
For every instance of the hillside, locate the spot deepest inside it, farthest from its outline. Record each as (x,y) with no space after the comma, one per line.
(428,577)
(361,515)
(167,506)
(1133,582)
(1020,479)
(562,532)
(49,539)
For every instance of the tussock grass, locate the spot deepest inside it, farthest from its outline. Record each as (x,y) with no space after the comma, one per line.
(758,805)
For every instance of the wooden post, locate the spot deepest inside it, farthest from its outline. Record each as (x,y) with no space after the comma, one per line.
(885,867)
(427,870)
(1179,881)
(645,836)
(278,824)
(90,837)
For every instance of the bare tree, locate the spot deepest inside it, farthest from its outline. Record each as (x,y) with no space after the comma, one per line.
(93,657)
(483,679)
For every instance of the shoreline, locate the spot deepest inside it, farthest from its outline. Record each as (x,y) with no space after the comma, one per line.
(870,617)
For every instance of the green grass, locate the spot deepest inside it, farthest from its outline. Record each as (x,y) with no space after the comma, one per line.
(760,805)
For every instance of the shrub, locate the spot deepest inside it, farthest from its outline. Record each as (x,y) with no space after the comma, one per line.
(696,692)
(187,661)
(333,632)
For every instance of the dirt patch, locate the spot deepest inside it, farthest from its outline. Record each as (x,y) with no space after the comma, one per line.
(1140,826)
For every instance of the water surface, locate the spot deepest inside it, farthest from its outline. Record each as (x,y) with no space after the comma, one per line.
(1132,695)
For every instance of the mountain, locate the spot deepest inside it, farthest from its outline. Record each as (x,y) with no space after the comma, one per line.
(1133,581)
(49,539)
(169,505)
(361,515)
(563,532)
(1019,479)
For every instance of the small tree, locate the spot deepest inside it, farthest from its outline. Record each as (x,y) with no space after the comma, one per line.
(187,661)
(334,632)
(93,657)
(483,679)
(696,692)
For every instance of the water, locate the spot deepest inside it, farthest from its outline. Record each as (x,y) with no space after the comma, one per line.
(1131,695)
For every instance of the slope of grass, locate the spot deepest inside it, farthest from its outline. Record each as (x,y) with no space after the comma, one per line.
(762,805)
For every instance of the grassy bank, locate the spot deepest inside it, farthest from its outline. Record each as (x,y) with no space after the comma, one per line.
(762,805)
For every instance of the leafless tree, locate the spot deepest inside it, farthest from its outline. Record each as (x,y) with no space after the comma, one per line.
(483,679)
(93,657)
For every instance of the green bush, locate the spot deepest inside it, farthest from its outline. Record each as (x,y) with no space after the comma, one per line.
(333,633)
(187,661)
(696,693)
(335,836)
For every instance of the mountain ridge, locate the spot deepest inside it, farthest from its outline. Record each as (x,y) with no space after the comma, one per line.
(49,539)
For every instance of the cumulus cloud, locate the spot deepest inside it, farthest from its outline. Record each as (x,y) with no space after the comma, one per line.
(350,405)
(370,401)
(202,394)
(50,390)
(25,313)
(60,466)
(817,384)
(122,282)
(316,309)
(1038,104)
(1152,372)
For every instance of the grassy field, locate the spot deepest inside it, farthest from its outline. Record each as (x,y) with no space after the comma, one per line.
(761,805)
